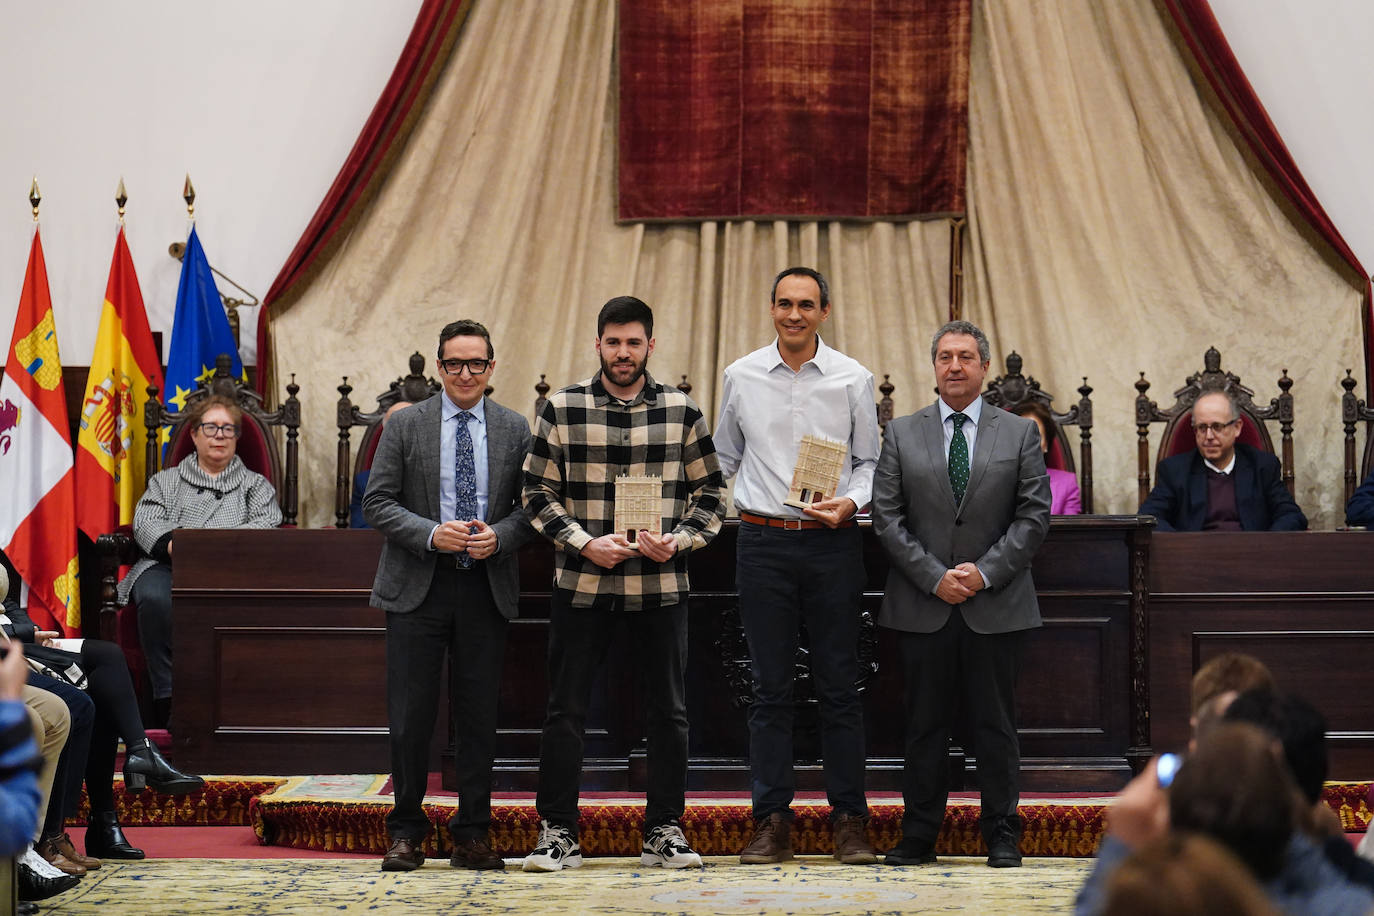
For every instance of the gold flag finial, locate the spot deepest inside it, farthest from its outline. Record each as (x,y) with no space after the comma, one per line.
(188,194)
(35,198)
(121,198)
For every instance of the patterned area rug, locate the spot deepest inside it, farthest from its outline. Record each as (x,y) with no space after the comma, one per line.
(216,887)
(347,814)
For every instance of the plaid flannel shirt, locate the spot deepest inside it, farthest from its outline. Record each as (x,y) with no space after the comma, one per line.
(582,441)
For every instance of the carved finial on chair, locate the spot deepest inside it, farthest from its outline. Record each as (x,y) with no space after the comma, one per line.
(1141,385)
(885,407)
(684,386)
(345,389)
(1013,363)
(1349,383)
(1211,360)
(542,387)
(1285,382)
(417,363)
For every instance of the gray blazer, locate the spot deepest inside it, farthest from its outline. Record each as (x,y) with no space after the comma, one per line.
(402,502)
(999,526)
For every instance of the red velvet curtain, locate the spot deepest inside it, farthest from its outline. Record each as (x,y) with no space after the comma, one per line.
(823,109)
(1202,34)
(383,137)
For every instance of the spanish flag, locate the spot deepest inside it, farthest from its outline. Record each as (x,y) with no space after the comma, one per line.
(37,512)
(112,439)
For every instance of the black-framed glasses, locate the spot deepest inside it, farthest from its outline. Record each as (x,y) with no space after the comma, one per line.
(1215,429)
(456,366)
(215,431)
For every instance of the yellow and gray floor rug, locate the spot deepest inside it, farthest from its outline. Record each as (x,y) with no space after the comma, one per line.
(812,886)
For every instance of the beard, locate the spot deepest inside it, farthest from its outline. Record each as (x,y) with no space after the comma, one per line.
(612,370)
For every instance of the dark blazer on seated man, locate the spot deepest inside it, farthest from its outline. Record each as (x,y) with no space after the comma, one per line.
(1190,495)
(1360,509)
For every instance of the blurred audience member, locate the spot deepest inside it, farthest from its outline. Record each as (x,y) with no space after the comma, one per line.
(1064,496)
(1218,682)
(355,503)
(1360,510)
(1184,875)
(210,488)
(1221,485)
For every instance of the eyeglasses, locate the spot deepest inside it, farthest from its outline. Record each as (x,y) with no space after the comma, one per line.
(214,431)
(1215,429)
(455,366)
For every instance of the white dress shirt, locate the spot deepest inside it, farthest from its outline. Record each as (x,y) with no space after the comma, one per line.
(974,412)
(765,410)
(448,446)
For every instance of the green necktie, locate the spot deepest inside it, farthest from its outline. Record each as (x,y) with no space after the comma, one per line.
(958,458)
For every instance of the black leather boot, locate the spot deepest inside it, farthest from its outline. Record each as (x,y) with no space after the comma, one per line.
(144,764)
(105,840)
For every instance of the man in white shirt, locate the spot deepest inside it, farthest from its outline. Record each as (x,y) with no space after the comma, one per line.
(804,565)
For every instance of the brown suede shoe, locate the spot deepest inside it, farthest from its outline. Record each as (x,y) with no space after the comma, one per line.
(63,844)
(772,841)
(475,853)
(405,854)
(851,840)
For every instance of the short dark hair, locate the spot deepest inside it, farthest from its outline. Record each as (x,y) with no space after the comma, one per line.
(625,310)
(803,272)
(1229,671)
(1297,724)
(962,327)
(465,327)
(1040,412)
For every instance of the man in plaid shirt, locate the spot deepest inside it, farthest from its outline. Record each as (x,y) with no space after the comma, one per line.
(619,422)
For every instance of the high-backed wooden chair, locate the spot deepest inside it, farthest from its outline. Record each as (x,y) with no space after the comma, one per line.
(1012,390)
(415,386)
(1177,419)
(257,448)
(1353,411)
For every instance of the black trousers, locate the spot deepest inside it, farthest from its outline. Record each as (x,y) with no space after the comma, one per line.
(458,616)
(578,638)
(943,669)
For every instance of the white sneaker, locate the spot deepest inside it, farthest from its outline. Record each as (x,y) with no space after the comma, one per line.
(557,849)
(665,845)
(41,866)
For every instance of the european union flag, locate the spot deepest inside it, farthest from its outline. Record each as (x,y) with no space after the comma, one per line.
(200,329)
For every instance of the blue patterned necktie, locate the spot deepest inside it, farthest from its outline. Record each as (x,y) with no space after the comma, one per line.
(958,458)
(464,477)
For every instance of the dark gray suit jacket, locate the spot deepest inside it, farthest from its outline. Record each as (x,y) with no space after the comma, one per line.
(402,502)
(999,526)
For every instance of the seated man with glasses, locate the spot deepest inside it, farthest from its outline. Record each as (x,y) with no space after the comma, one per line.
(1222,485)
(210,488)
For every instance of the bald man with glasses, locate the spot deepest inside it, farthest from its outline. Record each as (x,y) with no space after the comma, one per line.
(1223,484)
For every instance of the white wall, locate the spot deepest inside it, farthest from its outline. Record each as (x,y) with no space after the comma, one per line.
(260,101)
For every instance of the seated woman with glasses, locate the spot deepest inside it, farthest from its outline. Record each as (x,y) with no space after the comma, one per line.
(210,488)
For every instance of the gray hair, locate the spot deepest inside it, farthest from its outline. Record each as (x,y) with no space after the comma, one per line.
(963,327)
(1225,393)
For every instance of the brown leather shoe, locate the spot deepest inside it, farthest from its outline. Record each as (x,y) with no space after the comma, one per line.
(63,844)
(405,854)
(53,857)
(475,853)
(772,841)
(851,840)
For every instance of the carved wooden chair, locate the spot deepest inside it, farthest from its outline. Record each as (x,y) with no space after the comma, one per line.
(1353,411)
(414,387)
(1012,390)
(257,448)
(1177,419)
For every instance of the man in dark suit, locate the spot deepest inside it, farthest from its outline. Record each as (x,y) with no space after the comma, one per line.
(445,492)
(1222,485)
(961,503)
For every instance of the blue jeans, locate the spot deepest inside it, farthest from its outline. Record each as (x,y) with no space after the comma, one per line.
(785,578)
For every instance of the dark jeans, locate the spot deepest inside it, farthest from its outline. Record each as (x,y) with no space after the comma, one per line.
(785,578)
(152,595)
(458,616)
(578,637)
(942,668)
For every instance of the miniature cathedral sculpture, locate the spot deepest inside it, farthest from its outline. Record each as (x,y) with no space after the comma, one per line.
(638,507)
(817,473)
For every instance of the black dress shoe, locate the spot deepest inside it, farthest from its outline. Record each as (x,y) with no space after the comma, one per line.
(1004,846)
(910,852)
(144,764)
(26,908)
(475,853)
(405,854)
(105,839)
(33,886)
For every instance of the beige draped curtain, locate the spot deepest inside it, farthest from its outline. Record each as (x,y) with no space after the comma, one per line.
(1113,227)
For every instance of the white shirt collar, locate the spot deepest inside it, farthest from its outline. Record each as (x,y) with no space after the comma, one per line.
(1231,466)
(821,358)
(973,411)
(478,410)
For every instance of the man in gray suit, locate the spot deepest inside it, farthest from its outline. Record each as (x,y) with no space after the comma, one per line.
(445,492)
(961,502)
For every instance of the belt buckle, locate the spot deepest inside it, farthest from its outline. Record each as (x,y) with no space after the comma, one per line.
(791,524)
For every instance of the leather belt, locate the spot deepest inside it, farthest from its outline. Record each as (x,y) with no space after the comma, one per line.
(790,524)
